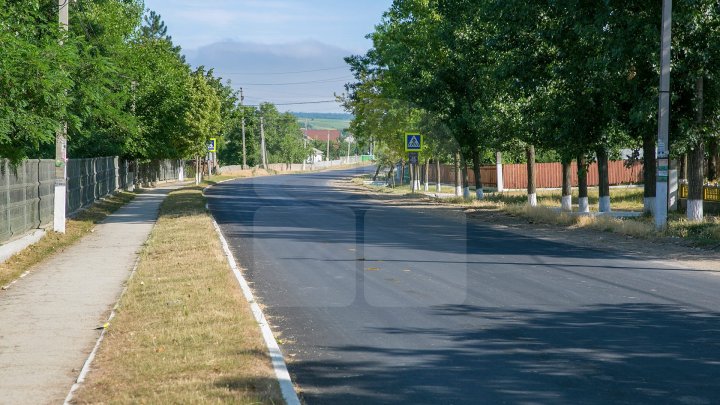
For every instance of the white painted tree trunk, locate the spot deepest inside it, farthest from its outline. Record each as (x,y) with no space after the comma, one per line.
(438,187)
(649,205)
(499,172)
(604,204)
(480,194)
(181,175)
(458,191)
(583,205)
(695,210)
(566,204)
(532,199)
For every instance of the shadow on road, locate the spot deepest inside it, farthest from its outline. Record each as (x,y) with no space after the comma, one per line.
(602,354)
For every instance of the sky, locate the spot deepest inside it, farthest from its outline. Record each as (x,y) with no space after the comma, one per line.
(273,48)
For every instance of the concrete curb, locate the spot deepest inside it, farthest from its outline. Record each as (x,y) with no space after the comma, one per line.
(10,249)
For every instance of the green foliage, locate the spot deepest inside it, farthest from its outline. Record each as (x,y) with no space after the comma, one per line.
(35,72)
(568,77)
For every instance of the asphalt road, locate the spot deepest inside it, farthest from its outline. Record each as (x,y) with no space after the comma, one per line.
(389,304)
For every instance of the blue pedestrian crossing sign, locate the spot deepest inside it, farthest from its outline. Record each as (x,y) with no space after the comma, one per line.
(413,142)
(212,145)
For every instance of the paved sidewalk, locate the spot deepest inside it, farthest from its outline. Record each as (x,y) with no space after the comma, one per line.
(48,320)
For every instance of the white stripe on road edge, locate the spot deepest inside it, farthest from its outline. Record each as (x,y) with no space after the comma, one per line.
(278,362)
(86,367)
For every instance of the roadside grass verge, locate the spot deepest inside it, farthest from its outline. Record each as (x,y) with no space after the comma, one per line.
(213,180)
(623,198)
(54,242)
(183,331)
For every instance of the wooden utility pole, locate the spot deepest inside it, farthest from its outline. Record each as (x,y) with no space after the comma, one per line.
(242,97)
(305,138)
(262,143)
(61,146)
(327,158)
(243,145)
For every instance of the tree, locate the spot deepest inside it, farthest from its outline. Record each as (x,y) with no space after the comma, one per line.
(34,79)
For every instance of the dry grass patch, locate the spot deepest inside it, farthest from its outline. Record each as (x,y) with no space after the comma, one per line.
(183,332)
(540,214)
(705,233)
(54,242)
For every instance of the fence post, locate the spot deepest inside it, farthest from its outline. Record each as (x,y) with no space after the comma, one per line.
(7,196)
(39,196)
(94,177)
(116,168)
(24,182)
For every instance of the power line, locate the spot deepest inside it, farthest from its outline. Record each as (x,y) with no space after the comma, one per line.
(284,73)
(336,79)
(299,103)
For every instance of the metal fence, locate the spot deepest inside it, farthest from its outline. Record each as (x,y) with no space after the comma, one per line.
(548,175)
(26,196)
(27,191)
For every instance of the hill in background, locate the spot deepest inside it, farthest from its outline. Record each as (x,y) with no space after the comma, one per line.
(324,120)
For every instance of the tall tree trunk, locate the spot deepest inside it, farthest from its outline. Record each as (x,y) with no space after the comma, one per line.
(427,174)
(713,160)
(411,167)
(458,175)
(377,172)
(649,172)
(479,192)
(391,176)
(465,177)
(696,162)
(531,190)
(198,174)
(438,186)
(566,204)
(602,158)
(418,177)
(682,172)
(402,173)
(583,203)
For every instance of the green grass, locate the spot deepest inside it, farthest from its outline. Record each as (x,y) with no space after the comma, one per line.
(325,124)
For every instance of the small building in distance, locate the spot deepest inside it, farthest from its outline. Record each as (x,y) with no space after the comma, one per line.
(316,157)
(322,134)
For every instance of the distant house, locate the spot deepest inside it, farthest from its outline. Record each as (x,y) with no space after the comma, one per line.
(322,134)
(316,157)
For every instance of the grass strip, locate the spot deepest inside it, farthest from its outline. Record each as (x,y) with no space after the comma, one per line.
(183,332)
(54,242)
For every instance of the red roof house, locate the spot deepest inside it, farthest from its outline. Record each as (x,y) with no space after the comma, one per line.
(322,134)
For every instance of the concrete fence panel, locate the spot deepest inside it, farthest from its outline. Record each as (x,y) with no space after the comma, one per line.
(26,196)
(27,190)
